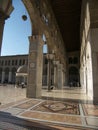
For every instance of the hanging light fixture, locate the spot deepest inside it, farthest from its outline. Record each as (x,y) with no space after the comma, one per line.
(24,17)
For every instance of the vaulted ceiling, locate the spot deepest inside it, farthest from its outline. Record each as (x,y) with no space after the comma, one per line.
(67,13)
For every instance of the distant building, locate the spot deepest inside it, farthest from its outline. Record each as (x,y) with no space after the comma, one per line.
(14,69)
(9,66)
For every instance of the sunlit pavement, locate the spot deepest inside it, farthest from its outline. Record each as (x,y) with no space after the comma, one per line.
(67,93)
(58,114)
(9,93)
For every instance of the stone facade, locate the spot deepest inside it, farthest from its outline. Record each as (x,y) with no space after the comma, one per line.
(14,67)
(9,66)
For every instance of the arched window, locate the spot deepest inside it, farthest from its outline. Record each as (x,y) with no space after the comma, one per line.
(73,76)
(2,62)
(20,62)
(6,75)
(12,62)
(70,60)
(75,60)
(9,62)
(23,61)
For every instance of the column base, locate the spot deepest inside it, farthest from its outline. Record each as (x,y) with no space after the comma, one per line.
(32,92)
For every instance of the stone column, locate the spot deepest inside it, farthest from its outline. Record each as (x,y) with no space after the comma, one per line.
(35,61)
(60,76)
(2,21)
(63,77)
(10,77)
(62,71)
(49,75)
(55,76)
(85,79)
(3,76)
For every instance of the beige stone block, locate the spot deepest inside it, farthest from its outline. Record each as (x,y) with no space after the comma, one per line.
(33,46)
(32,77)
(52,117)
(92,121)
(32,56)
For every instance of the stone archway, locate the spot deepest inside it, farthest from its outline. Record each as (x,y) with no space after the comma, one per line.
(41,23)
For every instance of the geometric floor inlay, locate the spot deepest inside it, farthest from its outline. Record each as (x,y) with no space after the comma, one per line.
(27,104)
(92,121)
(59,107)
(55,112)
(52,117)
(90,109)
(13,111)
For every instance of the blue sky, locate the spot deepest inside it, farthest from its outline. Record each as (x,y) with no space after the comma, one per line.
(16,31)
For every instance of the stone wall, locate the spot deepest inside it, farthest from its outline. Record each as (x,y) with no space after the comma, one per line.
(86,53)
(94,42)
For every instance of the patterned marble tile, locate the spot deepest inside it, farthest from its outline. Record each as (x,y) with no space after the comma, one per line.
(90,109)
(6,105)
(58,107)
(52,117)
(28,104)
(12,103)
(13,111)
(92,121)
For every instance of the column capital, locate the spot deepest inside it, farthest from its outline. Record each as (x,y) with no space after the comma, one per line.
(50,56)
(36,38)
(56,62)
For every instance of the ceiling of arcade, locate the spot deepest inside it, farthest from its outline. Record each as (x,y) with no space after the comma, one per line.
(67,13)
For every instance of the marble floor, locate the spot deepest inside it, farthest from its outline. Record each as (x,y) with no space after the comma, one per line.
(14,94)
(60,114)
(67,93)
(9,93)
